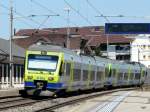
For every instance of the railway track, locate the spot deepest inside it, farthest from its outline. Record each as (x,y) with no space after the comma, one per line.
(18,101)
(79,99)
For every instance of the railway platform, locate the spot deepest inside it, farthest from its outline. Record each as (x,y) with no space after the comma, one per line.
(125,101)
(137,101)
(9,92)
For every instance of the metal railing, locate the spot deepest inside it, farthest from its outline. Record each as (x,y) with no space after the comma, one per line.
(17,74)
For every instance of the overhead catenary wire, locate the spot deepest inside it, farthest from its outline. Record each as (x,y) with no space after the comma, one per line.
(51,11)
(37,3)
(91,5)
(21,15)
(83,17)
(99,12)
(24,22)
(42,23)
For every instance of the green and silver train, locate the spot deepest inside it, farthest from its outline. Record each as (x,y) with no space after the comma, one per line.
(52,69)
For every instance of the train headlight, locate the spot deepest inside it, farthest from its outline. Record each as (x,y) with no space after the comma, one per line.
(30,77)
(50,78)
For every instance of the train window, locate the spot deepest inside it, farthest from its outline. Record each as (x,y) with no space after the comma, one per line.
(99,75)
(137,76)
(132,76)
(125,76)
(42,62)
(76,74)
(85,75)
(92,75)
(114,71)
(120,76)
(68,68)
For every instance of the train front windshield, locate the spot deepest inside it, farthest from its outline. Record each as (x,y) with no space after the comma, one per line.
(42,62)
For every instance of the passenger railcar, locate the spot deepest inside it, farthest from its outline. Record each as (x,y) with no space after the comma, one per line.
(54,69)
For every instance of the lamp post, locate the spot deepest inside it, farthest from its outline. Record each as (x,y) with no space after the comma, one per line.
(10,44)
(68,27)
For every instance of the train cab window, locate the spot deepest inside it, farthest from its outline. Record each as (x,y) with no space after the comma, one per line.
(42,62)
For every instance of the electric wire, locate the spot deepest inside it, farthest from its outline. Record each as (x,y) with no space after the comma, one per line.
(37,3)
(51,11)
(92,6)
(42,23)
(83,17)
(21,15)
(24,22)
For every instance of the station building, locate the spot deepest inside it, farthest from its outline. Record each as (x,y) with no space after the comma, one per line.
(17,68)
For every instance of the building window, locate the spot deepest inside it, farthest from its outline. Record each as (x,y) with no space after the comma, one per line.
(144,56)
(149,57)
(97,29)
(144,46)
(123,57)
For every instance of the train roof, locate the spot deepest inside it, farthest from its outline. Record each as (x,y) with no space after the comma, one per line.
(68,51)
(51,48)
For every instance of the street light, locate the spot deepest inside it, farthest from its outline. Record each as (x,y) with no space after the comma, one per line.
(68,27)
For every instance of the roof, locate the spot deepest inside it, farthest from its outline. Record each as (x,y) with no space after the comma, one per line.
(16,50)
(97,40)
(52,38)
(58,35)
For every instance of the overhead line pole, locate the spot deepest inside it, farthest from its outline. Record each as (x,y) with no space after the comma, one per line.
(68,28)
(10,46)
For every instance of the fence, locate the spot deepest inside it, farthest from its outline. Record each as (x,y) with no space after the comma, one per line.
(17,75)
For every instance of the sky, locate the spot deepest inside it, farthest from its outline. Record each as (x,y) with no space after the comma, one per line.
(82,13)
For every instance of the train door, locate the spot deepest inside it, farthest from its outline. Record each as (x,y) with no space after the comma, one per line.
(114,75)
(143,75)
(69,74)
(108,75)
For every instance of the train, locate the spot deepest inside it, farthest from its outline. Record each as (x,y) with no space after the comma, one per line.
(52,69)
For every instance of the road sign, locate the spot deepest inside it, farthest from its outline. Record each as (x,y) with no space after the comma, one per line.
(127,28)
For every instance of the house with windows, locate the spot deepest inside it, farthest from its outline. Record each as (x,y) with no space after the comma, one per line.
(140,49)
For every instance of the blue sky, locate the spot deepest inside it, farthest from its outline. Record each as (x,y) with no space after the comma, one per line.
(106,7)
